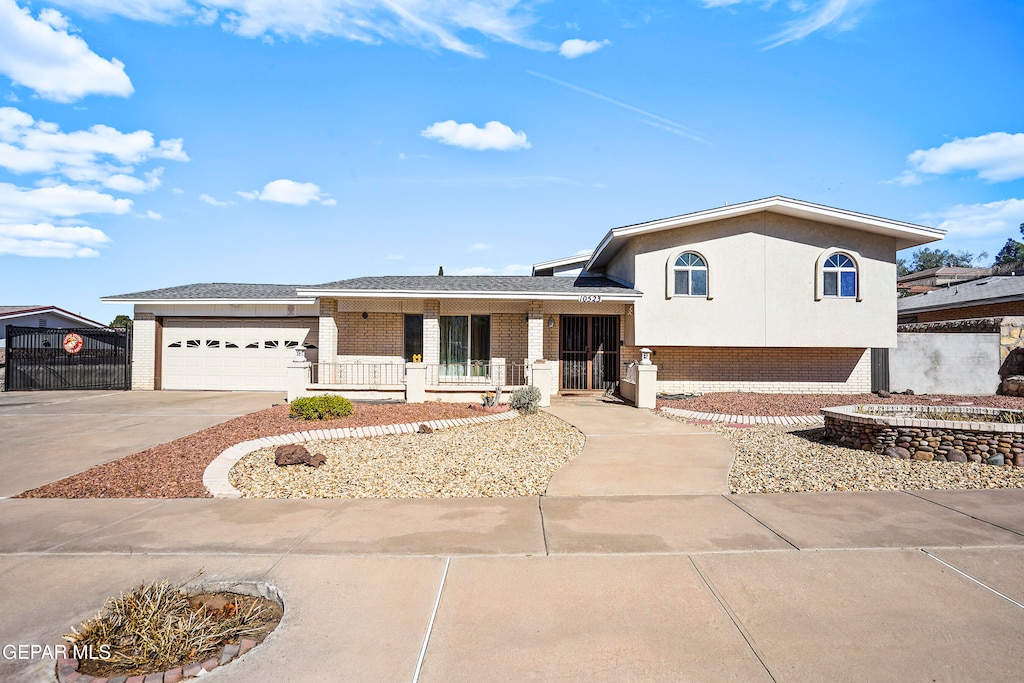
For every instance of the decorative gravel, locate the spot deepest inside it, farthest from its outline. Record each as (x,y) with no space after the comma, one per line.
(502,459)
(773,460)
(740,403)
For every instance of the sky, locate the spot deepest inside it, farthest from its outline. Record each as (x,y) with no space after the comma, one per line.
(154,143)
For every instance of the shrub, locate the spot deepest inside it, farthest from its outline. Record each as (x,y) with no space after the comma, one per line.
(526,400)
(322,407)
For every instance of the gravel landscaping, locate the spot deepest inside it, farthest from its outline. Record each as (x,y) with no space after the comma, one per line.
(775,460)
(511,458)
(175,469)
(738,403)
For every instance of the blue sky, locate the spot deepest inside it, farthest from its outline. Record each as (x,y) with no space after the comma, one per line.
(152,143)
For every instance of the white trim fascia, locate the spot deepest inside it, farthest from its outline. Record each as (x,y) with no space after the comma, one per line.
(564,261)
(911,232)
(425,294)
(208,302)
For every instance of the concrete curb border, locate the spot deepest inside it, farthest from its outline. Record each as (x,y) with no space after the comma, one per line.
(784,420)
(215,478)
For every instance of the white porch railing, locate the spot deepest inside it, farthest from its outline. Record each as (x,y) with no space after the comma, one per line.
(477,374)
(359,374)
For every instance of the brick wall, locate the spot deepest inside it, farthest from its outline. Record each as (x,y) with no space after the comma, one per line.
(509,337)
(144,352)
(378,338)
(985,311)
(691,369)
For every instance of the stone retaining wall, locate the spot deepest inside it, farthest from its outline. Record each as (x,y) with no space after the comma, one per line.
(924,439)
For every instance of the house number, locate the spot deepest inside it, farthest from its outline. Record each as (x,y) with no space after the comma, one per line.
(590,298)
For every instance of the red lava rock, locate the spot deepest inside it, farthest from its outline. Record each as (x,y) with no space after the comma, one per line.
(740,403)
(175,469)
(296,454)
(246,645)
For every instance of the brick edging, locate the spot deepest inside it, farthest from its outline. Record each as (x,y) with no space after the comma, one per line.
(785,420)
(215,477)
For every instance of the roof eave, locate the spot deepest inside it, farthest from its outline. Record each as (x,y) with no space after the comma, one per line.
(208,301)
(630,295)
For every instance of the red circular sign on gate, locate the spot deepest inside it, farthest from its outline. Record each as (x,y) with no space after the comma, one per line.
(73,342)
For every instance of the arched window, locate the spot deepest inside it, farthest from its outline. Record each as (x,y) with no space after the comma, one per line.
(839,276)
(690,275)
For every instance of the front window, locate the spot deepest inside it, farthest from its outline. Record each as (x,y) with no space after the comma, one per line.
(839,276)
(465,345)
(691,275)
(413,337)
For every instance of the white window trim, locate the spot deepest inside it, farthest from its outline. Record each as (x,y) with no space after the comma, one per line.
(819,273)
(670,276)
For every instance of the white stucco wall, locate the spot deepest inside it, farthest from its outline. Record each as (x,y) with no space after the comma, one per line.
(945,363)
(761,277)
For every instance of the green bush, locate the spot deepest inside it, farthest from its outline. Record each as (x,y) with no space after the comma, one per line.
(526,400)
(322,407)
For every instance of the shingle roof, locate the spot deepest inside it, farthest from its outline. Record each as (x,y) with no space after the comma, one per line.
(213,290)
(14,309)
(527,284)
(973,293)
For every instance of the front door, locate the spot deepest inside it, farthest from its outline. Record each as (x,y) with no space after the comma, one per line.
(589,352)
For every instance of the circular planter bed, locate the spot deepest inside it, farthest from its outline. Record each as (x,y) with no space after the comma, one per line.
(930,433)
(170,632)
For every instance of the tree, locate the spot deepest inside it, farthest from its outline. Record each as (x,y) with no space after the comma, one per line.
(440,270)
(121,320)
(925,259)
(1012,251)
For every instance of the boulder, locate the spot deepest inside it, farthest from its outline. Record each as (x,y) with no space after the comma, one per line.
(294,454)
(897,452)
(923,455)
(995,460)
(881,393)
(426,429)
(956,456)
(974,457)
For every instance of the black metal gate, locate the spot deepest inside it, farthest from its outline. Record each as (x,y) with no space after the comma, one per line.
(589,352)
(879,370)
(64,358)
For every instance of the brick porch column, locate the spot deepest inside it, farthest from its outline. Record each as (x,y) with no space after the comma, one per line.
(535,332)
(327,339)
(144,352)
(432,332)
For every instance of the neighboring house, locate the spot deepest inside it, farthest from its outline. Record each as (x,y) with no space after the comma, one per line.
(933,278)
(985,298)
(40,317)
(770,295)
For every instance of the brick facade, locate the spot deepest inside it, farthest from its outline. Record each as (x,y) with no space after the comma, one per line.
(377,338)
(683,369)
(144,361)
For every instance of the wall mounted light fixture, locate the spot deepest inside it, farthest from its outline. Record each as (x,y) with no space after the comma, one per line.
(365,315)
(551,322)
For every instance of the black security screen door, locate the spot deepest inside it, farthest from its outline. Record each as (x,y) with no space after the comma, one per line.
(589,352)
(62,358)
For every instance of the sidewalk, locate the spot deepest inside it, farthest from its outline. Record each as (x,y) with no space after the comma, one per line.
(872,586)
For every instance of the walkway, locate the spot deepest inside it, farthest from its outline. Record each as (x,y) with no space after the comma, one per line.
(632,452)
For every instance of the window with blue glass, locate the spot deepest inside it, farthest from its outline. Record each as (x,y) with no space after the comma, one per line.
(840,276)
(691,275)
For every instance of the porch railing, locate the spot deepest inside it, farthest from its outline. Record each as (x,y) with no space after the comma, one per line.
(359,374)
(477,373)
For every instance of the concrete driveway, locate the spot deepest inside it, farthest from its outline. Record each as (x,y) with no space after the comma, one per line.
(49,435)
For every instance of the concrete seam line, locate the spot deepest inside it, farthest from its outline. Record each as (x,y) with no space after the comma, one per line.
(732,616)
(943,505)
(430,624)
(968,576)
(543,530)
(150,508)
(728,497)
(330,513)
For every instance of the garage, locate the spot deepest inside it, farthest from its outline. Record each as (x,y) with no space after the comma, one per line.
(247,354)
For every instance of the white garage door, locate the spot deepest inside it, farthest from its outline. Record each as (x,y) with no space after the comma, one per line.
(242,354)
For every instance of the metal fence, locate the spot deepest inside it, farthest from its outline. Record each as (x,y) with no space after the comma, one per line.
(477,374)
(68,358)
(359,374)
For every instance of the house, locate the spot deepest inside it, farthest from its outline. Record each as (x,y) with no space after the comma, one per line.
(935,278)
(42,317)
(987,297)
(770,295)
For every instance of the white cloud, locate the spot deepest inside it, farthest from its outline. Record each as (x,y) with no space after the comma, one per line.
(213,201)
(979,220)
(839,15)
(479,246)
(153,215)
(494,135)
(994,157)
(58,201)
(574,47)
(48,241)
(434,24)
(284,191)
(395,257)
(42,55)
(178,190)
(100,154)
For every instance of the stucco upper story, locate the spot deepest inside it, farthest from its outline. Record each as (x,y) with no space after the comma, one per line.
(764,281)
